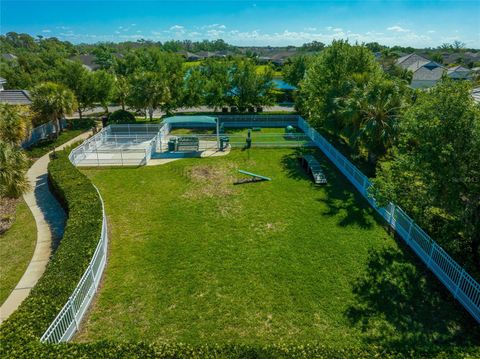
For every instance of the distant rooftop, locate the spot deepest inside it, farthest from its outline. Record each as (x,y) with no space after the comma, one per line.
(15,97)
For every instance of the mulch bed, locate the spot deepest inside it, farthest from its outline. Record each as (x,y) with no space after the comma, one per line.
(7,213)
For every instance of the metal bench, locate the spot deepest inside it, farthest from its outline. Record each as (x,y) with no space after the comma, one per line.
(311,165)
(187,144)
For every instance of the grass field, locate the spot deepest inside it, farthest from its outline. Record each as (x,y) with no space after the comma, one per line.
(238,136)
(17,246)
(195,259)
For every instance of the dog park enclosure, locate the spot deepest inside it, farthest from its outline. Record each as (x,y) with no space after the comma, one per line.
(464,288)
(136,144)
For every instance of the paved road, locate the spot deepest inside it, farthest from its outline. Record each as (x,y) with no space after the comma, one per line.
(50,219)
(159,113)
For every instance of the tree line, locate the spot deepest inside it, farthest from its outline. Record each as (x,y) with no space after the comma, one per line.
(423,147)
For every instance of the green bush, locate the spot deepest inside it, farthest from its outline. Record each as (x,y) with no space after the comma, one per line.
(109,349)
(68,263)
(81,124)
(121,116)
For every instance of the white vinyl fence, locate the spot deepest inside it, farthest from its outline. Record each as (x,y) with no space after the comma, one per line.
(462,286)
(67,322)
(41,132)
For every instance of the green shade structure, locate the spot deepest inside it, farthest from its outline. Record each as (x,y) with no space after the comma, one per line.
(190,119)
(195,120)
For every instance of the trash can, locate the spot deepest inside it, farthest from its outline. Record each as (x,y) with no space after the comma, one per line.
(171,145)
(104,121)
(224,142)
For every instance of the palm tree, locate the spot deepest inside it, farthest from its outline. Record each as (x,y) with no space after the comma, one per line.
(13,166)
(14,123)
(372,111)
(53,101)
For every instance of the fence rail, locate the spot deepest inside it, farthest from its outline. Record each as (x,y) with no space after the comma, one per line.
(463,287)
(67,322)
(41,132)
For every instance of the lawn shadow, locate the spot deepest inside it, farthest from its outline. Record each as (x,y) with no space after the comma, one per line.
(341,199)
(52,210)
(400,305)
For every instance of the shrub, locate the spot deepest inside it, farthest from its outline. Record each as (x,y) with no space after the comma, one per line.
(68,263)
(81,124)
(121,116)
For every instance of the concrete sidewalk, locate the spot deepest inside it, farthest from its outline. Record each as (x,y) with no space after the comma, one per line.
(50,219)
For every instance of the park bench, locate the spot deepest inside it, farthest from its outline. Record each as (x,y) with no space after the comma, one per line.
(311,165)
(187,143)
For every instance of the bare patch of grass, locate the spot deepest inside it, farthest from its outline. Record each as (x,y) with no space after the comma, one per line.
(210,181)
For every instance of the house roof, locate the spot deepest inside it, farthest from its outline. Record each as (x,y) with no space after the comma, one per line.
(9,56)
(458,68)
(2,80)
(425,73)
(476,94)
(87,60)
(412,62)
(15,97)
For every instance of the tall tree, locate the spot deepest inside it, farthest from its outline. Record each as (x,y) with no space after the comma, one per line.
(435,172)
(327,79)
(149,91)
(217,83)
(78,79)
(103,88)
(121,90)
(294,70)
(53,101)
(248,87)
(371,112)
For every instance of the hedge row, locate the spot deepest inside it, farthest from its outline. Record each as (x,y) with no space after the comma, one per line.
(108,349)
(82,232)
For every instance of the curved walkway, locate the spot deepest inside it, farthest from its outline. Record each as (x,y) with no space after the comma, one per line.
(50,219)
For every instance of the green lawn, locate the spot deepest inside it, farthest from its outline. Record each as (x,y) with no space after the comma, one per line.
(238,136)
(17,246)
(195,259)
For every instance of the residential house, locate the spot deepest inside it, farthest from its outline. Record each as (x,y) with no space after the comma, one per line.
(9,57)
(460,73)
(426,73)
(476,94)
(13,97)
(87,60)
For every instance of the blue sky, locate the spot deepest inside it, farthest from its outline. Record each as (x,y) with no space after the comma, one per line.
(406,23)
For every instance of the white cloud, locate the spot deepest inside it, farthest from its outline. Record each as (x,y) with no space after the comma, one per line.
(177,28)
(431,31)
(46,31)
(213,26)
(338,29)
(310,29)
(397,28)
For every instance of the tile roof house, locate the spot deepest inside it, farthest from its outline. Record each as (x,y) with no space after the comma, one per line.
(14,97)
(9,57)
(411,62)
(88,61)
(426,73)
(476,94)
(460,73)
